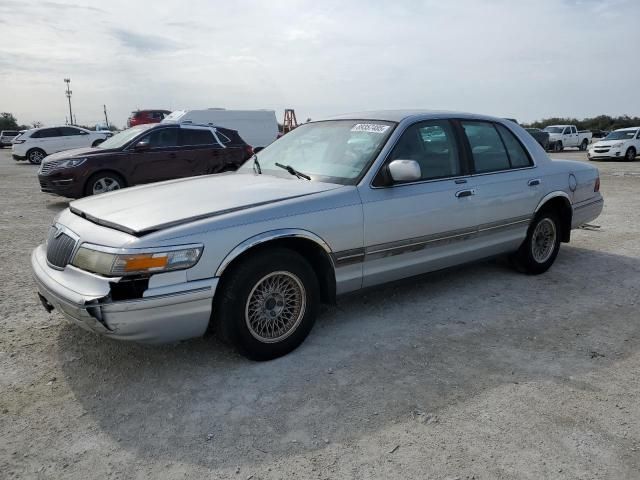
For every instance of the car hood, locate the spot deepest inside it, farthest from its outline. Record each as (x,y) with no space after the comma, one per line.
(607,143)
(148,208)
(76,152)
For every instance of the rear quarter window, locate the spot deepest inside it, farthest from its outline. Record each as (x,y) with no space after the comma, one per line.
(518,156)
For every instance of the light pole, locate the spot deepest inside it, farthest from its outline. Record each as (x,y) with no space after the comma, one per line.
(68,94)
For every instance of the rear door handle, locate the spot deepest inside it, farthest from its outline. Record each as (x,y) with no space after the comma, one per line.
(465,193)
(534,182)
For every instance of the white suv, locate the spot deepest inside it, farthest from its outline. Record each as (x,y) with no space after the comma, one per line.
(37,143)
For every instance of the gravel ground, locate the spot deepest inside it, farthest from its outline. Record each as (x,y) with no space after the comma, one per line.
(478,372)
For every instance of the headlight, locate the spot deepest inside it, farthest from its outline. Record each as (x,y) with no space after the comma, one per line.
(71,162)
(617,145)
(129,262)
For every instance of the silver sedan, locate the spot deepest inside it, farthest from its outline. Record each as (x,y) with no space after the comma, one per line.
(332,207)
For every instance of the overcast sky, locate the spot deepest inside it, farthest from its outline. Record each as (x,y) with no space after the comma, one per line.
(522,59)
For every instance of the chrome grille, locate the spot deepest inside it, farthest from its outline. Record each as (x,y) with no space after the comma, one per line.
(60,247)
(46,167)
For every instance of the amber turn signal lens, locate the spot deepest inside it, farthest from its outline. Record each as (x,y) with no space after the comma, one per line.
(135,263)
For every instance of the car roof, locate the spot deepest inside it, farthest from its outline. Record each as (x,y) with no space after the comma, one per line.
(413,114)
(626,128)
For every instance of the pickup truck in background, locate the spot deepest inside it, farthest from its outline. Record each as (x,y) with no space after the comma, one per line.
(563,136)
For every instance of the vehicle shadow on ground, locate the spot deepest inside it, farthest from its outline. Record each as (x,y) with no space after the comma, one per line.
(371,361)
(57,205)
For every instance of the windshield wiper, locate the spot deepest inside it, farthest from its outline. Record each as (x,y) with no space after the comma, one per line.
(293,171)
(256,164)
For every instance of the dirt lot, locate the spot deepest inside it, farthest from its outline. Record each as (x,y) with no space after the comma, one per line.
(479,372)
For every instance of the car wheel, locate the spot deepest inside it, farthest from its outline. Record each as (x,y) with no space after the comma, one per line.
(540,249)
(630,156)
(97,142)
(35,156)
(104,182)
(584,145)
(268,304)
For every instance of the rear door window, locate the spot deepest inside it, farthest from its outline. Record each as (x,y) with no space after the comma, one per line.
(487,148)
(194,137)
(47,133)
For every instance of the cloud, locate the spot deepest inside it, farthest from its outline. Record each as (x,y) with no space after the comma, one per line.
(519,59)
(143,43)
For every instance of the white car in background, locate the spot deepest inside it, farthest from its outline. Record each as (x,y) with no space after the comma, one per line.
(7,136)
(622,143)
(37,143)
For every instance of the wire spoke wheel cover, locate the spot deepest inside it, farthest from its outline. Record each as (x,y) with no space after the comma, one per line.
(543,240)
(275,306)
(105,184)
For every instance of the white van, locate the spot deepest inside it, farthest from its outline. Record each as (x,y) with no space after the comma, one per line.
(256,127)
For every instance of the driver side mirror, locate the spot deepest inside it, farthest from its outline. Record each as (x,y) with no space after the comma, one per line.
(404,171)
(142,145)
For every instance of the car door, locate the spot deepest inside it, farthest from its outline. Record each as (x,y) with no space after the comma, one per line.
(74,138)
(201,151)
(506,186)
(412,228)
(49,140)
(155,157)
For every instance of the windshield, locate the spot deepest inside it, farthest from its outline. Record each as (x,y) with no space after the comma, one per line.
(554,129)
(335,151)
(121,139)
(621,135)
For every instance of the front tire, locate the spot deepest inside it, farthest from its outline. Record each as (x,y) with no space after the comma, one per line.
(630,156)
(557,147)
(35,156)
(540,249)
(103,182)
(268,304)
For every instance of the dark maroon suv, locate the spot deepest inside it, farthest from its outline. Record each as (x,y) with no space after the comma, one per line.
(143,154)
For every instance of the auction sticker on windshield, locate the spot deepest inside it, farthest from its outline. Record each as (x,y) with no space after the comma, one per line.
(369,127)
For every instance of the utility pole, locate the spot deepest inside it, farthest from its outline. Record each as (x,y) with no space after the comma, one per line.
(106,119)
(68,94)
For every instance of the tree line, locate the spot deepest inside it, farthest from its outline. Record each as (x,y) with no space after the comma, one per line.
(601,122)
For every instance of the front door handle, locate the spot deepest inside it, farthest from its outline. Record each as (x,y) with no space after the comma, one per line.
(172,155)
(534,182)
(465,193)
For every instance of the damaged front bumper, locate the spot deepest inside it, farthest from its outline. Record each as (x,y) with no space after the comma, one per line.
(166,314)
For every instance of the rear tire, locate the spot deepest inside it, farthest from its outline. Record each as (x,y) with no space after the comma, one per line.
(103,182)
(584,145)
(540,249)
(35,156)
(268,304)
(630,155)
